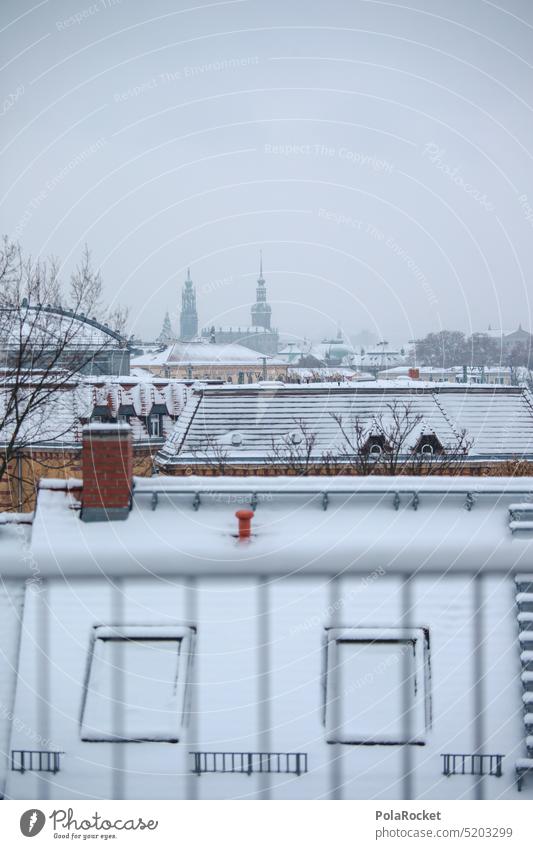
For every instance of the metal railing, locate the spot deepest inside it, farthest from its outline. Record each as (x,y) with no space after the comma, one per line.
(470,489)
(250,762)
(26,760)
(472,765)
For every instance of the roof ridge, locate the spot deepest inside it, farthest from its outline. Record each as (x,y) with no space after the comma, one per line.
(445,414)
(528,397)
(185,420)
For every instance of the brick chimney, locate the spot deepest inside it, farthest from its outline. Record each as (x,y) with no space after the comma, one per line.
(107,468)
(414,373)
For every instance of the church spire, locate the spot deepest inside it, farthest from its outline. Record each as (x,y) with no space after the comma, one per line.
(188,315)
(261,310)
(167,333)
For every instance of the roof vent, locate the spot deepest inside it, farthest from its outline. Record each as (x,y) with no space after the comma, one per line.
(296,438)
(236,438)
(245,523)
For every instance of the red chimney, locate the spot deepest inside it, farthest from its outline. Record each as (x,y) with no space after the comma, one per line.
(414,373)
(107,468)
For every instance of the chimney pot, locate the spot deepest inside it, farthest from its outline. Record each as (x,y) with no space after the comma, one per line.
(245,523)
(107,469)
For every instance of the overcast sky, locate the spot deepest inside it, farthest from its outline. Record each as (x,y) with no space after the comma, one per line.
(379,153)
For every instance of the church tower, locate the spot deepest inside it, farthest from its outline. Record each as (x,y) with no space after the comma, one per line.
(188,315)
(261,310)
(167,333)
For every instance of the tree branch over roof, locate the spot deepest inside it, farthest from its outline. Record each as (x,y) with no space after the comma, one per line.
(45,340)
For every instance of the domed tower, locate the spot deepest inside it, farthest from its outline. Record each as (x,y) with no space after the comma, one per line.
(188,315)
(261,310)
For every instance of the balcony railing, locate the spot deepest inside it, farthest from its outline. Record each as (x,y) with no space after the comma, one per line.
(472,765)
(26,760)
(250,762)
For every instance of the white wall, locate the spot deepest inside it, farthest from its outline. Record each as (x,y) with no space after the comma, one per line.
(257,685)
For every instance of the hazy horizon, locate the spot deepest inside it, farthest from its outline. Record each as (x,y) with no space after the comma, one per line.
(378,154)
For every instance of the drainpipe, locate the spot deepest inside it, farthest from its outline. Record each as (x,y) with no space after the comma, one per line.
(20,492)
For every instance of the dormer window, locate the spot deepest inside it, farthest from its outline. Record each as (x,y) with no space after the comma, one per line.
(155,419)
(374,446)
(125,413)
(428,445)
(102,413)
(155,425)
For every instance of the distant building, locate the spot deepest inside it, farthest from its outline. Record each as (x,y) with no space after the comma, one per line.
(259,336)
(188,315)
(333,352)
(510,340)
(261,310)
(91,347)
(379,357)
(431,374)
(260,340)
(516,338)
(491,375)
(167,334)
(50,439)
(203,360)
(271,430)
(293,352)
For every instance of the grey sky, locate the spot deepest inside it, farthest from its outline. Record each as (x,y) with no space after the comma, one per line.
(378,152)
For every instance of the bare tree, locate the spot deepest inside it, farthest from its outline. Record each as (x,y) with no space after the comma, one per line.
(448,460)
(44,343)
(393,443)
(295,451)
(211,454)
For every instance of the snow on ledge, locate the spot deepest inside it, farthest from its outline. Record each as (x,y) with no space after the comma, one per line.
(338,483)
(16,518)
(65,484)
(107,426)
(138,632)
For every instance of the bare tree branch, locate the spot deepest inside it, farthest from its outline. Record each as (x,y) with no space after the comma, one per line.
(44,343)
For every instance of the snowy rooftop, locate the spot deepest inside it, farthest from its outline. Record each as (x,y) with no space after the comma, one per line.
(188,525)
(61,419)
(247,422)
(204,353)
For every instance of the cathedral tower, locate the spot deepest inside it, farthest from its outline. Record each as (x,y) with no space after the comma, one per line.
(188,315)
(261,310)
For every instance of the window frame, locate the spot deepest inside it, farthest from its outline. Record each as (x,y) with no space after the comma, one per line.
(422,700)
(186,634)
(157,420)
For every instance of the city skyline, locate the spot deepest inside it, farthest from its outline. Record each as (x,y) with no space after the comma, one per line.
(379,160)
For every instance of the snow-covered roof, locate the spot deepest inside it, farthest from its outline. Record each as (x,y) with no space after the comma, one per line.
(60,420)
(245,422)
(425,369)
(365,523)
(325,372)
(204,353)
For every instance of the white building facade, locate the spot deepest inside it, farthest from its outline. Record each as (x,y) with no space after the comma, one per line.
(371,639)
